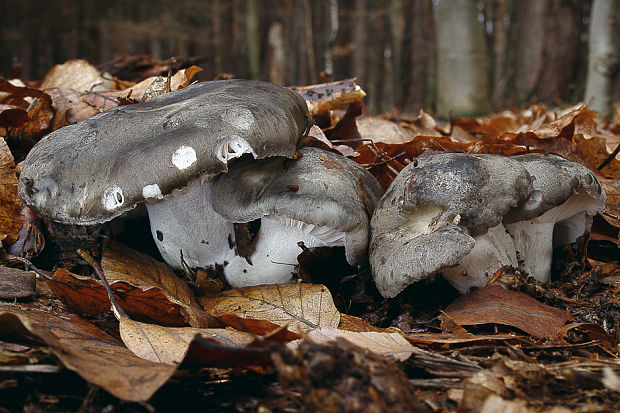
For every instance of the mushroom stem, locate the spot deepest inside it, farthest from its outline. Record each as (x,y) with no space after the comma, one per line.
(275,255)
(492,251)
(535,239)
(187,222)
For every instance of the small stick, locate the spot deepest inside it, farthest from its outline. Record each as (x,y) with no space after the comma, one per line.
(116,308)
(609,158)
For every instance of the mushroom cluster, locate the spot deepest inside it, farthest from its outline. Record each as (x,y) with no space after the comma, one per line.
(467,216)
(170,151)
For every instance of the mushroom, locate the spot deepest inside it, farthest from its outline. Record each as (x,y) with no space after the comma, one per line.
(444,213)
(320,198)
(566,195)
(166,152)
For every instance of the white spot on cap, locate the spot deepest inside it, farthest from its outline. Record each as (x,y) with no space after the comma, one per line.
(152,191)
(184,157)
(240,118)
(112,198)
(234,148)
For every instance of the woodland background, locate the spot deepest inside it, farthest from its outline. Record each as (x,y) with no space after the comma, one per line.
(525,50)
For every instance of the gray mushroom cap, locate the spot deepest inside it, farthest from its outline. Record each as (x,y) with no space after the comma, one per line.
(95,170)
(319,187)
(558,211)
(554,180)
(430,215)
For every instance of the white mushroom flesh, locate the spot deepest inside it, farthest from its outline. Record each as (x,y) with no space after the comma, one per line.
(186,223)
(492,251)
(535,239)
(275,254)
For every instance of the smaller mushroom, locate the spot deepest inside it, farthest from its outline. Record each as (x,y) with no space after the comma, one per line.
(444,213)
(320,199)
(566,195)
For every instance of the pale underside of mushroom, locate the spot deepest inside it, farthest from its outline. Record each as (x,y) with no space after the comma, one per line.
(491,252)
(535,239)
(185,225)
(274,259)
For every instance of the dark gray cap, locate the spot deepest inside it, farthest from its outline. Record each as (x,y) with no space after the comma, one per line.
(319,187)
(554,180)
(429,215)
(95,170)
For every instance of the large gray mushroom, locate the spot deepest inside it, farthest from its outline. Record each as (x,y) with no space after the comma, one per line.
(444,214)
(566,195)
(165,152)
(320,199)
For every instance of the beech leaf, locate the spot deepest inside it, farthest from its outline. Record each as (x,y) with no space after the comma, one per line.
(297,306)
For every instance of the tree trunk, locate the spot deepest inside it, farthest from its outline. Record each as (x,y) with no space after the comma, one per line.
(418,48)
(462,61)
(602,55)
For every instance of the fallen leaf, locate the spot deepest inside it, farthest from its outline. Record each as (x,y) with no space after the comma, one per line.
(443,339)
(72,106)
(30,239)
(391,345)
(120,263)
(10,205)
(76,74)
(298,306)
(382,130)
(169,344)
(256,327)
(352,323)
(97,357)
(324,97)
(592,332)
(495,304)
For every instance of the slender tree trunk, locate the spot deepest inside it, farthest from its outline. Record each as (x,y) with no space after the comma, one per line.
(418,45)
(529,63)
(276,56)
(462,61)
(602,55)
(360,41)
(252,38)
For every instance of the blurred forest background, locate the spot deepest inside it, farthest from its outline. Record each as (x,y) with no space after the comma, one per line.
(458,57)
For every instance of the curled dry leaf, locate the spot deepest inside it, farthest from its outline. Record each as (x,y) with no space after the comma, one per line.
(324,97)
(38,107)
(10,205)
(298,306)
(120,263)
(494,304)
(97,357)
(391,345)
(169,344)
(87,296)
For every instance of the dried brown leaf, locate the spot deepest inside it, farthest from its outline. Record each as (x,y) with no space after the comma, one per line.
(76,74)
(391,345)
(97,357)
(169,344)
(120,263)
(10,205)
(494,304)
(298,306)
(324,97)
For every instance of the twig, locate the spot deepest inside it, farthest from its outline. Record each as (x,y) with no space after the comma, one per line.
(118,311)
(609,158)
(28,264)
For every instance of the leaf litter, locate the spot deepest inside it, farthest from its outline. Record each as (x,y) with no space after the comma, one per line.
(529,347)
